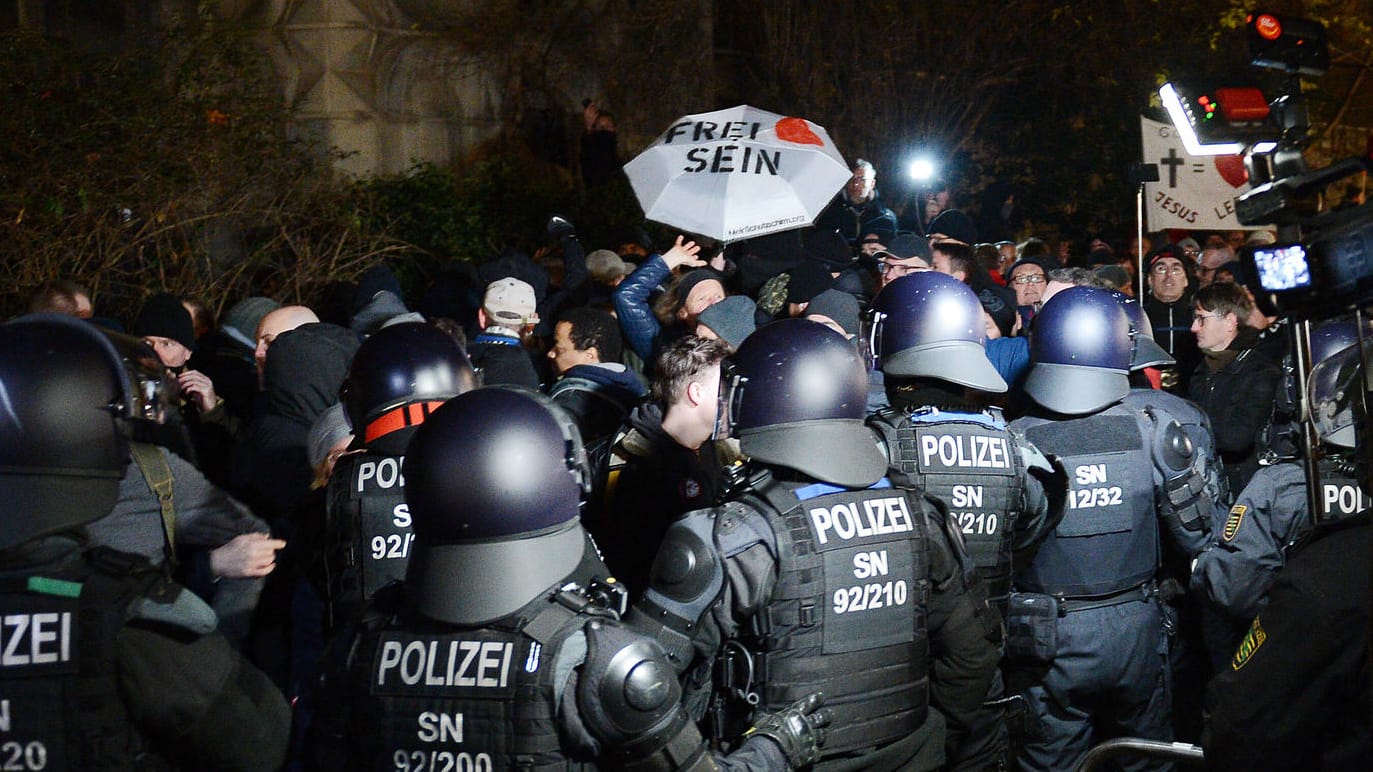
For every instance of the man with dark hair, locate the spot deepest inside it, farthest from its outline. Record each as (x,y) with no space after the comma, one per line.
(1234,383)
(663,462)
(593,385)
(957,260)
(62,296)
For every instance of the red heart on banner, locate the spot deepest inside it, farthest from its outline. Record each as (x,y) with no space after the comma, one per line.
(798,132)
(1231,168)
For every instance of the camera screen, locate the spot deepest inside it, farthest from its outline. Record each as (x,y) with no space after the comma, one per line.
(1282,267)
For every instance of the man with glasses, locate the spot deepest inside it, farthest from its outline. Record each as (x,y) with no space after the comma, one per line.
(1169,305)
(907,253)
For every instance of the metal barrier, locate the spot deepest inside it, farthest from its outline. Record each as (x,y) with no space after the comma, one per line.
(1135,746)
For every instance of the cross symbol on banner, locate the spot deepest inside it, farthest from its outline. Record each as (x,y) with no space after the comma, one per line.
(1172,162)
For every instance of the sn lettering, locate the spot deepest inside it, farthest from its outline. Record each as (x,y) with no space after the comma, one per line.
(440,727)
(1090,474)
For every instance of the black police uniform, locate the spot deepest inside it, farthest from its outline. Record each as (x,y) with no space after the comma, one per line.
(109,665)
(1296,694)
(1106,641)
(981,471)
(558,684)
(367,535)
(801,586)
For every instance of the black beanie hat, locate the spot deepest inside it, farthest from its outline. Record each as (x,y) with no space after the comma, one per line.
(808,280)
(163,316)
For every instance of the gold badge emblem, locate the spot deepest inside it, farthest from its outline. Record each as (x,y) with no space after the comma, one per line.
(1251,643)
(1232,523)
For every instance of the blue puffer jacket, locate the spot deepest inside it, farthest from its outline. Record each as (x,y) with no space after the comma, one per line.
(640,326)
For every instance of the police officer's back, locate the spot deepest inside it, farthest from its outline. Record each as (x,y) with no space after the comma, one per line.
(819,574)
(108,664)
(1088,628)
(926,332)
(502,648)
(397,378)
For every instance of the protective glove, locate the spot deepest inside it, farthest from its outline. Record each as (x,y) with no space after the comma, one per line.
(798,730)
(560,227)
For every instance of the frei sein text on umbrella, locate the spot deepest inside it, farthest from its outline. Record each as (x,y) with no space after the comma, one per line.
(721,159)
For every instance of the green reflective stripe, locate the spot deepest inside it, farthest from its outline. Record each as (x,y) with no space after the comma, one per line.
(46,586)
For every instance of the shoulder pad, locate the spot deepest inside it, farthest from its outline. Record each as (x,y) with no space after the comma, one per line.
(1030,455)
(628,688)
(687,569)
(185,610)
(1173,447)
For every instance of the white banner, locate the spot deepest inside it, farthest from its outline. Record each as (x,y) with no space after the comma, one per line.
(1193,192)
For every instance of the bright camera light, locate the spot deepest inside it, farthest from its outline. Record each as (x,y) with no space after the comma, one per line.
(921,170)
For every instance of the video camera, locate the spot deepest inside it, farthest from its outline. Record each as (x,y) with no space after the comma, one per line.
(1323,265)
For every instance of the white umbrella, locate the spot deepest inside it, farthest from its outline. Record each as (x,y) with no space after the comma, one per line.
(738,173)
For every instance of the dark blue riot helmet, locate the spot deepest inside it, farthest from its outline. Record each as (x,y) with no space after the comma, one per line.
(930,325)
(795,394)
(1333,391)
(1146,351)
(399,375)
(494,482)
(1080,352)
(65,402)
(1336,335)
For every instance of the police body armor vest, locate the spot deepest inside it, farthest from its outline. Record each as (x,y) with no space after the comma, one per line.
(1108,540)
(60,702)
(1340,495)
(970,462)
(440,697)
(847,616)
(367,532)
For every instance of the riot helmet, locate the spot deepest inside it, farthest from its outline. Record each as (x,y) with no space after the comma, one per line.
(930,325)
(1146,352)
(494,482)
(1080,352)
(399,375)
(1334,336)
(795,394)
(65,396)
(1332,393)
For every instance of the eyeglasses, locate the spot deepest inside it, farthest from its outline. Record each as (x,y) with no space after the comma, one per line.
(1162,270)
(1203,317)
(1034,278)
(898,270)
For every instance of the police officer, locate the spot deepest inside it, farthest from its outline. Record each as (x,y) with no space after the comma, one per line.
(502,649)
(1295,694)
(816,573)
(1178,424)
(926,333)
(107,663)
(1271,513)
(398,377)
(1100,659)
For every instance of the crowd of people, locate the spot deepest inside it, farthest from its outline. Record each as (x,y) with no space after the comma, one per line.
(879,494)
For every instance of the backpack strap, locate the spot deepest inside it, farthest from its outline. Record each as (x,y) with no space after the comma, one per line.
(157,473)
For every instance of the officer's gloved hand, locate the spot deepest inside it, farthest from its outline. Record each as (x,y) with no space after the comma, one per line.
(799,729)
(560,227)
